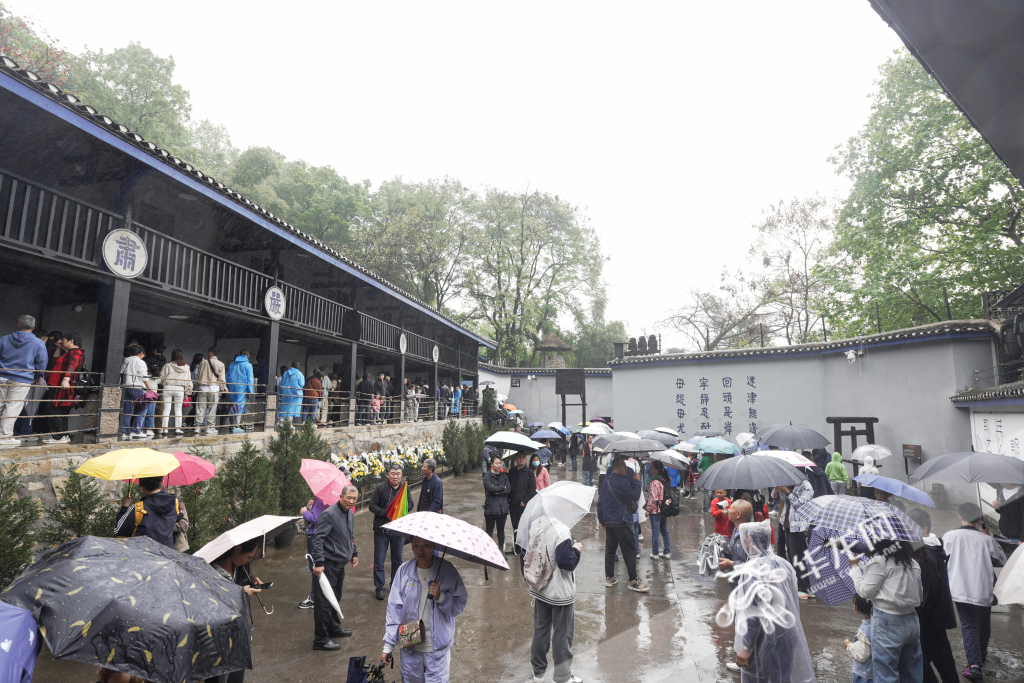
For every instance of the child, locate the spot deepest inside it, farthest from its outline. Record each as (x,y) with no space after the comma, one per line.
(860,649)
(375,408)
(720,511)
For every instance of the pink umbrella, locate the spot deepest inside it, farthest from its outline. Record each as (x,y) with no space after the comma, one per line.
(461,539)
(192,470)
(324,479)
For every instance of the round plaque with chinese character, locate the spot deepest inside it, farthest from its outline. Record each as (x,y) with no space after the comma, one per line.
(435,353)
(402,342)
(125,253)
(274,303)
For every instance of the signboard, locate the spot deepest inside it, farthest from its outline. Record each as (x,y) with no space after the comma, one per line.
(274,303)
(571,381)
(515,381)
(912,452)
(402,343)
(125,253)
(435,353)
(1000,433)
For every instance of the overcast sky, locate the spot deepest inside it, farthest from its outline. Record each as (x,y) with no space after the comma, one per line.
(673,123)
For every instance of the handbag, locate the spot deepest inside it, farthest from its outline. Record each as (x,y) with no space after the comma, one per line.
(186,402)
(410,633)
(149,396)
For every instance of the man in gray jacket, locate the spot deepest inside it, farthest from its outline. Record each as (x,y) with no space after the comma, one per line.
(333,547)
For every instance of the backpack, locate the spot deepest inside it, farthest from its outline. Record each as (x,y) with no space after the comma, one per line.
(140,512)
(538,566)
(670,503)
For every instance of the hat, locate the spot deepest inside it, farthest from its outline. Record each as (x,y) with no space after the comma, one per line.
(969,512)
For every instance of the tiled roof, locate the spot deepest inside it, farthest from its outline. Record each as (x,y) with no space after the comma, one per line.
(11,68)
(1011,390)
(958,327)
(501,370)
(552,343)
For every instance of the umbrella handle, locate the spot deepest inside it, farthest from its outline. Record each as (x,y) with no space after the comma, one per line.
(437,573)
(257,594)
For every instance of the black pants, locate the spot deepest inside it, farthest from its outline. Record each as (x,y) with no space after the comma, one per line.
(620,537)
(935,650)
(515,511)
(793,546)
(497,522)
(324,617)
(51,419)
(975,627)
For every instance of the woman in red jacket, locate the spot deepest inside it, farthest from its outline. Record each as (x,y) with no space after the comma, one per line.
(60,396)
(720,511)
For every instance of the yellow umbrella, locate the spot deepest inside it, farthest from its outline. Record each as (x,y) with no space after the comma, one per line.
(129,463)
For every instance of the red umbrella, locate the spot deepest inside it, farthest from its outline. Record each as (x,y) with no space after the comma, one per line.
(191,470)
(324,479)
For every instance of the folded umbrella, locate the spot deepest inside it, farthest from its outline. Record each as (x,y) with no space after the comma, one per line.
(973,467)
(513,441)
(666,430)
(566,501)
(19,638)
(791,436)
(135,606)
(794,459)
(325,480)
(870,519)
(661,437)
(874,450)
(714,547)
(718,446)
(749,472)
(327,590)
(1010,584)
(896,488)
(459,538)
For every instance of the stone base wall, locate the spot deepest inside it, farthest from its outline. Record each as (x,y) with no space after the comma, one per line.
(44,467)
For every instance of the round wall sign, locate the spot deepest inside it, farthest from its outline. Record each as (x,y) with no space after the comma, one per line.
(435,353)
(402,342)
(274,303)
(125,253)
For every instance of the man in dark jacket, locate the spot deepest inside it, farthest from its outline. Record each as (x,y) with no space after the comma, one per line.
(364,392)
(154,516)
(620,495)
(936,612)
(1009,503)
(380,499)
(334,546)
(431,492)
(524,487)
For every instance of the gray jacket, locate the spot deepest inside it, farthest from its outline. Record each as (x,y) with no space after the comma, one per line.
(334,538)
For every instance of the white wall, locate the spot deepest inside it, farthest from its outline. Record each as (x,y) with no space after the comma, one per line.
(538,398)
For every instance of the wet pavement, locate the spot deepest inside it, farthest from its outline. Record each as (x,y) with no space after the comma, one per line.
(623,637)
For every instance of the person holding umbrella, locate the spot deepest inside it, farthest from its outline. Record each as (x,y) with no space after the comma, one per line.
(426,597)
(589,462)
(154,516)
(792,541)
(334,546)
(232,566)
(522,488)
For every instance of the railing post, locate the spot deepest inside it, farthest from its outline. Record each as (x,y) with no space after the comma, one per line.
(352,405)
(109,406)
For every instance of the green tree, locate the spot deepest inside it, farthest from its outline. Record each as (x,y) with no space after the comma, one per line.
(208,147)
(453,443)
(289,448)
(39,52)
(247,483)
(321,202)
(931,207)
(80,511)
(206,507)
(17,515)
(593,340)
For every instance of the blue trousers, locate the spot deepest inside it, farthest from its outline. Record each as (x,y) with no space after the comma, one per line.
(896,647)
(659,525)
(381,544)
(426,667)
(309,408)
(133,412)
(975,627)
(149,416)
(587,478)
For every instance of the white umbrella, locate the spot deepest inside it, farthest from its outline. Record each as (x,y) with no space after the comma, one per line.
(687,447)
(628,435)
(874,450)
(596,428)
(666,430)
(513,441)
(328,591)
(1010,585)
(743,438)
(566,501)
(267,525)
(667,457)
(792,458)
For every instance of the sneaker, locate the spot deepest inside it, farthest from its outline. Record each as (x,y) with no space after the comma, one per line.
(639,586)
(138,435)
(237,430)
(655,556)
(641,537)
(802,595)
(608,583)
(149,433)
(666,555)
(538,679)
(733,666)
(972,673)
(50,439)
(306,604)
(573,678)
(178,431)
(9,442)
(638,553)
(212,431)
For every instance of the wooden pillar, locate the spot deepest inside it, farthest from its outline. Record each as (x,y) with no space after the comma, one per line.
(352,405)
(436,390)
(267,360)
(401,390)
(111,328)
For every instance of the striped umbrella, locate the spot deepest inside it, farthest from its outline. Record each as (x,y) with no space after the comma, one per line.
(863,516)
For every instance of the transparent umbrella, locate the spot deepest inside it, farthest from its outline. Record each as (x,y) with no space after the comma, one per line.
(566,501)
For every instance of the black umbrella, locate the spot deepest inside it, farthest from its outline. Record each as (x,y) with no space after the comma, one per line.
(973,467)
(749,472)
(138,607)
(634,447)
(660,437)
(601,443)
(708,432)
(791,437)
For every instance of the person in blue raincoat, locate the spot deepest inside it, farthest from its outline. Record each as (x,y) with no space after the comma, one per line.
(457,400)
(289,394)
(240,382)
(421,577)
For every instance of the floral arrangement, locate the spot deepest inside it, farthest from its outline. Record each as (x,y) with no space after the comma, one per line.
(362,466)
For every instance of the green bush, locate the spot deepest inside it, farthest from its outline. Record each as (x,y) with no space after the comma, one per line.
(17,515)
(247,483)
(206,507)
(288,449)
(453,443)
(80,511)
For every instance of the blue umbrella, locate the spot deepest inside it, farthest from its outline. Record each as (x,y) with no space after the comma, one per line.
(19,638)
(718,446)
(896,488)
(545,434)
(535,424)
(559,427)
(827,569)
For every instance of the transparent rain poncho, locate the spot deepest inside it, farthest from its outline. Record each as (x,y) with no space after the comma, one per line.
(765,608)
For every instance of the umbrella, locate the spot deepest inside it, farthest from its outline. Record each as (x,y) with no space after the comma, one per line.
(327,589)
(20,643)
(602,442)
(874,450)
(129,463)
(896,488)
(545,434)
(559,427)
(513,441)
(749,472)
(687,447)
(973,467)
(325,480)
(718,446)
(666,430)
(827,568)
(634,447)
(267,526)
(658,436)
(566,501)
(865,517)
(668,457)
(138,607)
(488,383)
(192,470)
(596,429)
(794,459)
(791,436)
(536,424)
(743,438)
(1010,584)
(517,412)
(598,419)
(509,406)
(461,539)
(708,432)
